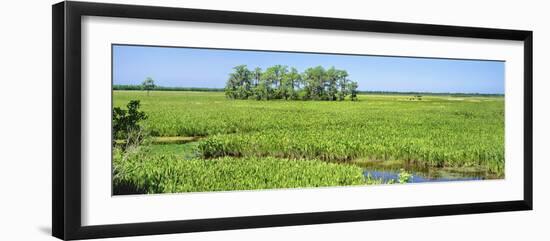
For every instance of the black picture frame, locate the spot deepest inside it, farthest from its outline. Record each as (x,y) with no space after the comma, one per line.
(66,127)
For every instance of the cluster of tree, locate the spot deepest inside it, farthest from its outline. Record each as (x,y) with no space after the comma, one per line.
(280,82)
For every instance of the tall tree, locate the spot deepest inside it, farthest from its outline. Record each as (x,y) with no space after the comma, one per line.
(259,88)
(283,89)
(314,78)
(273,77)
(342,78)
(148,84)
(353,90)
(293,80)
(238,85)
(257,75)
(332,77)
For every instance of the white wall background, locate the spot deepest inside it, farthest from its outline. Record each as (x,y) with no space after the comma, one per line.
(25,119)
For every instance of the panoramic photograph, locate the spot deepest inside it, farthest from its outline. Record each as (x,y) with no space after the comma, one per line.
(207,120)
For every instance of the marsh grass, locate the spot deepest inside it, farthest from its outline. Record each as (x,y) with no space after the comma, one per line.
(142,171)
(437,131)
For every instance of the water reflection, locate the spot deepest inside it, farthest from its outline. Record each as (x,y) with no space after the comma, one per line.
(389,170)
(387,176)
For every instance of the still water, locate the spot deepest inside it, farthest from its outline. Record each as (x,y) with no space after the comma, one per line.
(416,177)
(390,171)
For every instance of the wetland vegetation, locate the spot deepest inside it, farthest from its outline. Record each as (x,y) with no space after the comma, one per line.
(204,141)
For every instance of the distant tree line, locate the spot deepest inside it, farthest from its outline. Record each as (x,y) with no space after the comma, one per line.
(374,92)
(165,88)
(281,82)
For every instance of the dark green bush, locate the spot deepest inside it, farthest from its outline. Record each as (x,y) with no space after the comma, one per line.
(126,123)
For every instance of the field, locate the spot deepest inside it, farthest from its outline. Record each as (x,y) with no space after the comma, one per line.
(202,141)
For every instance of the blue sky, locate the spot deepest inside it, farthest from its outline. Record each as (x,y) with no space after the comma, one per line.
(191,67)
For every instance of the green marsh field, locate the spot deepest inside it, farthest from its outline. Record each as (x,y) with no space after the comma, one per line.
(204,141)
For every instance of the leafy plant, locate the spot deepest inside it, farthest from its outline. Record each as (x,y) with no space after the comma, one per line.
(126,123)
(404,176)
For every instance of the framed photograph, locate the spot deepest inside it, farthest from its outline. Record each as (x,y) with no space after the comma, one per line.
(169,120)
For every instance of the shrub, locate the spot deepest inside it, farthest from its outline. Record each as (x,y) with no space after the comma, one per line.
(126,123)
